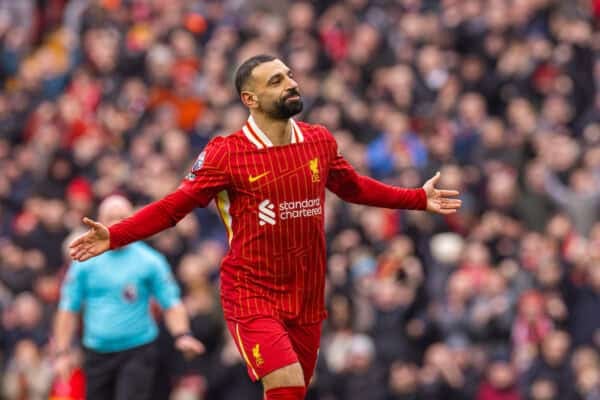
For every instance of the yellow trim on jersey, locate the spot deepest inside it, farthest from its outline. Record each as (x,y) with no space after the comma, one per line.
(239,338)
(223,204)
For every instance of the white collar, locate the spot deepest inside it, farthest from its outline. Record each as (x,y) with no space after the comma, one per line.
(257,137)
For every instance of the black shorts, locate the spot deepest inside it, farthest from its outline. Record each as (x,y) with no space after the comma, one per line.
(122,375)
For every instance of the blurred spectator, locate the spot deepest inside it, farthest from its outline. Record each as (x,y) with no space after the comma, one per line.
(586,330)
(362,376)
(28,374)
(580,199)
(441,376)
(500,383)
(552,365)
(403,382)
(24,320)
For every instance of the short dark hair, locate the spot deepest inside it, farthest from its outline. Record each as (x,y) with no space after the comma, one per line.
(245,69)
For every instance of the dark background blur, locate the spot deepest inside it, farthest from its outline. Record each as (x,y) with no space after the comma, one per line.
(498,302)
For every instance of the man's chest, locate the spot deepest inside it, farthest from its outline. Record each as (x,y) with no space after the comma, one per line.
(294,172)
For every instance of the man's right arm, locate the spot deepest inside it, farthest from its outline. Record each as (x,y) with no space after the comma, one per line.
(207,177)
(151,219)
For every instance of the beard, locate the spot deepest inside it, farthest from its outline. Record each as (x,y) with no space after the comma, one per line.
(284,108)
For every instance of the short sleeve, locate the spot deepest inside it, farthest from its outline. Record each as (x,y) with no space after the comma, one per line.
(209,175)
(163,285)
(72,291)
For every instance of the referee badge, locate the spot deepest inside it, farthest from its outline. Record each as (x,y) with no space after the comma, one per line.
(130,293)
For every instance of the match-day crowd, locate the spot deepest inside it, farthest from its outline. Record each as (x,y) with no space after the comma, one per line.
(498,302)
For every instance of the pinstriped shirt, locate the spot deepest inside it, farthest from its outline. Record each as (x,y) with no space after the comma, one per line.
(271,200)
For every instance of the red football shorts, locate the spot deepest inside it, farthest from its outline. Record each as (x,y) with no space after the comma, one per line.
(267,344)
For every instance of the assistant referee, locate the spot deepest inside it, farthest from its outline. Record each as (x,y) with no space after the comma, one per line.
(119,333)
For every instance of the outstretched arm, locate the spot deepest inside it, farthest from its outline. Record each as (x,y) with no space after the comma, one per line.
(207,177)
(344,181)
(153,218)
(360,189)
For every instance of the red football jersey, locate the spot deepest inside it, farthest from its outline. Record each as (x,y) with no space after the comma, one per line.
(271,200)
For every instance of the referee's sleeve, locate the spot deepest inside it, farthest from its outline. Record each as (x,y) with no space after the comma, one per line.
(164,287)
(73,290)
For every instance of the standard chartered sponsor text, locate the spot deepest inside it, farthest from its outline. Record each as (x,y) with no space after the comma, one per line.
(298,209)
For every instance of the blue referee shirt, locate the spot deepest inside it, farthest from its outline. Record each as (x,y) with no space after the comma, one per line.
(113,290)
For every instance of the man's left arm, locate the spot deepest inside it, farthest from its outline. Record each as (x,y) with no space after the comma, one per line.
(344,181)
(167,294)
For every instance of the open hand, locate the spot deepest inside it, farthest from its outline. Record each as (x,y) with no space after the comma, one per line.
(92,243)
(189,346)
(62,366)
(440,201)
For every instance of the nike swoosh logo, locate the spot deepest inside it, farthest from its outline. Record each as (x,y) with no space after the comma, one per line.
(253,179)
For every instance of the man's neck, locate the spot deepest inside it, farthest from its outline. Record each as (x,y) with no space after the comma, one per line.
(279,132)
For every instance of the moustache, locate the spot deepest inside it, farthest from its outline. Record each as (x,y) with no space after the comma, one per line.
(291,93)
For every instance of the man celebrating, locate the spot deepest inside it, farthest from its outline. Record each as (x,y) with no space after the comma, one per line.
(269,182)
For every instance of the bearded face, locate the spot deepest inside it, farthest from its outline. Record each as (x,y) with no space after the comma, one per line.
(273,91)
(288,105)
